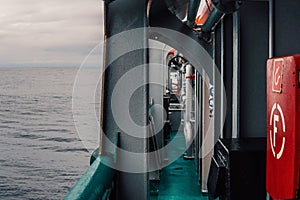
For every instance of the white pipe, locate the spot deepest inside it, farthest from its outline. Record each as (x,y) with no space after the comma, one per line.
(188,132)
(189,92)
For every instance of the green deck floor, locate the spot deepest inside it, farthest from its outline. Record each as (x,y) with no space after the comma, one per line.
(179,182)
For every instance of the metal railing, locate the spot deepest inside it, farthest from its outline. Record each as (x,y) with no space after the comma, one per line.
(97,180)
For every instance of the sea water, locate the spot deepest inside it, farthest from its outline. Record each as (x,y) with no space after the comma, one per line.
(41,154)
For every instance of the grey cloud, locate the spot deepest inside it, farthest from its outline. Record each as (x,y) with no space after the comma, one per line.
(55,31)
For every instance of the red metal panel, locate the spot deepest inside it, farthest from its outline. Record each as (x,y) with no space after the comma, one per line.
(283,127)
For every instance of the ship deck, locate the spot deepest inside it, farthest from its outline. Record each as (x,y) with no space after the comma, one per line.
(179,181)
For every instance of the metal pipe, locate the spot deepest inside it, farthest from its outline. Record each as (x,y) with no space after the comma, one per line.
(192,12)
(271,44)
(188,130)
(271,28)
(222,77)
(236,77)
(189,92)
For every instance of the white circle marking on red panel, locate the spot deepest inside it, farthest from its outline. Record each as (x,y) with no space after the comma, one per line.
(274,119)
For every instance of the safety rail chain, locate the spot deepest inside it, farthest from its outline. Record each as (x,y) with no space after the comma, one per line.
(95,183)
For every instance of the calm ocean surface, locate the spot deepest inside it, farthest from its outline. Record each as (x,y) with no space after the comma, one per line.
(41,155)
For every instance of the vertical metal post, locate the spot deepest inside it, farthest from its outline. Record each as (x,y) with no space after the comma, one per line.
(236,77)
(222,79)
(216,90)
(200,121)
(271,28)
(196,118)
(156,94)
(208,119)
(205,123)
(271,43)
(188,129)
(120,16)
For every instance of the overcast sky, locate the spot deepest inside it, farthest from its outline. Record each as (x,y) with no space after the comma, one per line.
(49,32)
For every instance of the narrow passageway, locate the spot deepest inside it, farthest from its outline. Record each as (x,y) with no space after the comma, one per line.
(179,181)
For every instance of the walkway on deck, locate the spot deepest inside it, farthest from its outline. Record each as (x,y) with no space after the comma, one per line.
(179,181)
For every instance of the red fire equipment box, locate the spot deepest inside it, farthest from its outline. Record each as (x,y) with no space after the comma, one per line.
(283,127)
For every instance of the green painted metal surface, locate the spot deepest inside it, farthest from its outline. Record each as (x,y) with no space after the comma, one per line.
(179,181)
(94,182)
(192,11)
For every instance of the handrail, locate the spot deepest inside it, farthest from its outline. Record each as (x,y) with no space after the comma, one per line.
(98,178)
(94,182)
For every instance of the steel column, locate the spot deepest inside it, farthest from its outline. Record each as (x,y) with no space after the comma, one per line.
(236,77)
(271,42)
(120,16)
(222,79)
(271,28)
(254,42)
